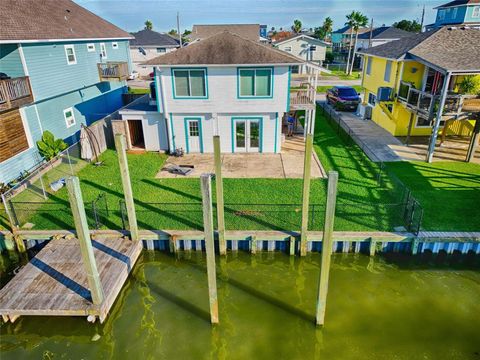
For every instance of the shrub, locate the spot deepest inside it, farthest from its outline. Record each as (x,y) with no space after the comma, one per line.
(49,147)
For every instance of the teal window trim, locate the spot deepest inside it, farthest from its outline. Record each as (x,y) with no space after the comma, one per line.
(247,118)
(172,71)
(288,88)
(173,132)
(200,132)
(255,68)
(276,133)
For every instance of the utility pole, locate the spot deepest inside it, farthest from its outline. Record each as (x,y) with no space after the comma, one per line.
(371,35)
(423,18)
(178,29)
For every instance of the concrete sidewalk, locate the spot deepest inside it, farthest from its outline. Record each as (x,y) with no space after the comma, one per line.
(377,143)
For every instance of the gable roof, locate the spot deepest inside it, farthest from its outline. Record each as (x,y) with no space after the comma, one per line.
(458,3)
(225,48)
(36,20)
(348,30)
(450,49)
(296,36)
(386,32)
(147,37)
(247,31)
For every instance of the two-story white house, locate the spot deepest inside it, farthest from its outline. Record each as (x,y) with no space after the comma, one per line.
(225,85)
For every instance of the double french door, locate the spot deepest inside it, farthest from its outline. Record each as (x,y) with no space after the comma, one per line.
(246,135)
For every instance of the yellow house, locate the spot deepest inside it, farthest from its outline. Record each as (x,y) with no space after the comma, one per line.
(413,82)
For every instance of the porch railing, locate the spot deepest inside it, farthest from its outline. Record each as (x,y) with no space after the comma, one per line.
(303,97)
(113,71)
(15,92)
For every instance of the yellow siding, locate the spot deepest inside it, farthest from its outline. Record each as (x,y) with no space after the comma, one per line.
(397,122)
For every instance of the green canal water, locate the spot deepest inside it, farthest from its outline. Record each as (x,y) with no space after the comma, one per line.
(393,307)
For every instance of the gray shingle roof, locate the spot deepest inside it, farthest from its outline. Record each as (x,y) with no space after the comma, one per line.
(247,31)
(451,49)
(223,49)
(53,19)
(152,38)
(386,32)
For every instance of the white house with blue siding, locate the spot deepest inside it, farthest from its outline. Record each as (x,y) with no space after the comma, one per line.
(224,85)
(457,13)
(68,67)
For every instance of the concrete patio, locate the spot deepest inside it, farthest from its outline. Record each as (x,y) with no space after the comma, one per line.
(286,165)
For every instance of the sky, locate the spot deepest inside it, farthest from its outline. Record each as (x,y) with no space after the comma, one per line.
(131,14)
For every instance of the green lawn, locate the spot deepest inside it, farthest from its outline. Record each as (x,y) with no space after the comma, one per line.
(342,76)
(138,91)
(449,193)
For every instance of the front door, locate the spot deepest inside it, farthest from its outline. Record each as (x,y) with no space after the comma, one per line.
(247,135)
(193,135)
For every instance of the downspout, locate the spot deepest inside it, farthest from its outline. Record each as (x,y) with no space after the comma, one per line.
(436,126)
(160,93)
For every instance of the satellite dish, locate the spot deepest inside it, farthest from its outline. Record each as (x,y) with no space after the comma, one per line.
(142,51)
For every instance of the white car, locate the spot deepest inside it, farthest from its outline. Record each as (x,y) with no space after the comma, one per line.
(133,75)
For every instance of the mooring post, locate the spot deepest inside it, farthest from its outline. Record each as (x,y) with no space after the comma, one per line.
(83,236)
(372,247)
(253,244)
(219,187)
(306,193)
(327,246)
(292,245)
(206,186)
(120,145)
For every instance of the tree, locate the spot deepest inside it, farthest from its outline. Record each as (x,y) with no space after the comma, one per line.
(408,25)
(173,32)
(148,25)
(355,20)
(297,26)
(185,36)
(324,31)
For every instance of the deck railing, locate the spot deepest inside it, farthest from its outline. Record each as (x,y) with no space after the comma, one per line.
(15,92)
(113,71)
(303,97)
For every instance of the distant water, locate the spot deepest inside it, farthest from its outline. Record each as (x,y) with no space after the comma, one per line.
(380,308)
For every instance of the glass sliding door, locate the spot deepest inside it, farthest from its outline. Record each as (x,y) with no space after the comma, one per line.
(240,134)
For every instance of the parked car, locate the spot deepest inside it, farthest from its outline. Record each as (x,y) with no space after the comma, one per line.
(343,98)
(133,75)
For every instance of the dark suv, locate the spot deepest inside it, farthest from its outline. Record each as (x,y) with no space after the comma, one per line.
(343,98)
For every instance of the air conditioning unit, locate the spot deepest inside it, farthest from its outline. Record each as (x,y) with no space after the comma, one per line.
(384,94)
(365,111)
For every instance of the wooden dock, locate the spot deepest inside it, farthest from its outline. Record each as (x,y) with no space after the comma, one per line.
(54,282)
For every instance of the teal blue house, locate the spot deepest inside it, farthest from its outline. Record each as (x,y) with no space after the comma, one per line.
(61,66)
(455,13)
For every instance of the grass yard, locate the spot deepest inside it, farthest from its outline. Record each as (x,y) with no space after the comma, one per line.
(448,191)
(138,91)
(342,76)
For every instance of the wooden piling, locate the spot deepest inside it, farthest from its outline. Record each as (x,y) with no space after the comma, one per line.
(120,145)
(219,187)
(327,246)
(83,236)
(292,245)
(20,244)
(206,187)
(253,244)
(372,247)
(306,193)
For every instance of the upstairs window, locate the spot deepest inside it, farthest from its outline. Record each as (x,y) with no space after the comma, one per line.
(388,71)
(190,83)
(369,66)
(288,48)
(372,99)
(90,47)
(161,50)
(69,117)
(476,12)
(313,48)
(255,82)
(114,45)
(70,53)
(103,51)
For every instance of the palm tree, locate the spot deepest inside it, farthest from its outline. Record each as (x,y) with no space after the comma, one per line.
(356,20)
(327,27)
(148,25)
(297,26)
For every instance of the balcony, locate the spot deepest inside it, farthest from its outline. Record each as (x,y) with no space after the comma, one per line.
(14,93)
(426,104)
(113,71)
(304,98)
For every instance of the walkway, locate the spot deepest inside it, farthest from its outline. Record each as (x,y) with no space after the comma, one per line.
(377,143)
(55,283)
(286,165)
